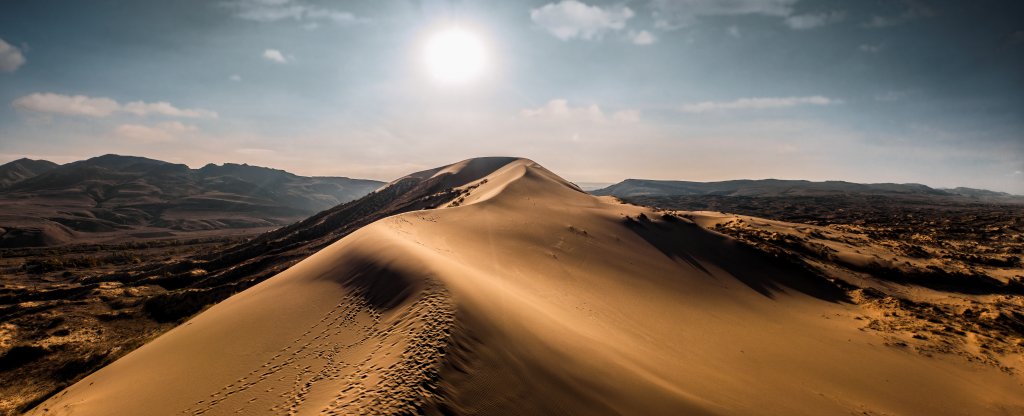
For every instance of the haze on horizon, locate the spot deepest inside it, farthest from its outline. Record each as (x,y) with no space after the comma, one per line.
(885,91)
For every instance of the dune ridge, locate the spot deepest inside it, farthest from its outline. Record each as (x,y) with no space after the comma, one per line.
(528,296)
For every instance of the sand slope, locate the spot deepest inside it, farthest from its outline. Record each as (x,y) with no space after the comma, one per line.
(527,296)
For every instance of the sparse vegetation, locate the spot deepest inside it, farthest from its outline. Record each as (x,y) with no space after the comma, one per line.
(65,311)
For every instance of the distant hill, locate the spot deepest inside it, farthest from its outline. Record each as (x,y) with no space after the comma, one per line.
(43,203)
(22,169)
(591,186)
(631,188)
(980,193)
(823,203)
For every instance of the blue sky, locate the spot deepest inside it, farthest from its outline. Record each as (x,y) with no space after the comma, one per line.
(868,91)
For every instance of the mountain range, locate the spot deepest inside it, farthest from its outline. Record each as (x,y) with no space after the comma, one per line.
(780,187)
(113,196)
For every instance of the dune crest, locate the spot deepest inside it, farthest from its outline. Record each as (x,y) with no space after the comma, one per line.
(525,295)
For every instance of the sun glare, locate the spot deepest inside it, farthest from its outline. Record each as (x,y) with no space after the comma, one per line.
(455,56)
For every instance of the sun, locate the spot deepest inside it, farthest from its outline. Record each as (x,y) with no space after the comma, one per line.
(455,56)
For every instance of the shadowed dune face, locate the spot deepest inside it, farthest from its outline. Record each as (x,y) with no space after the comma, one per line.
(681,239)
(529,296)
(381,286)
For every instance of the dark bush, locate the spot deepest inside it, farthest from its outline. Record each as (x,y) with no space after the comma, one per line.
(21,355)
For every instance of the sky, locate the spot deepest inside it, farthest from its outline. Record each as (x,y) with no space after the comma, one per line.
(907,91)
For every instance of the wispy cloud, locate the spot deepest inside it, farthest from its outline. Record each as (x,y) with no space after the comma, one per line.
(560,109)
(675,14)
(276,10)
(164,108)
(72,105)
(813,20)
(11,57)
(160,132)
(913,9)
(626,116)
(869,48)
(890,96)
(274,55)
(642,37)
(570,19)
(758,103)
(81,105)
(335,16)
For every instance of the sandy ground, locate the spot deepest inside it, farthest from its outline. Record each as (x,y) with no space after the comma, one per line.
(527,296)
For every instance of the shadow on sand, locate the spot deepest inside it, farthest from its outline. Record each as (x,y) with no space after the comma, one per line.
(686,242)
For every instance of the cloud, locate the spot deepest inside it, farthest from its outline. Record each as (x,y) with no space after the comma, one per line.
(813,20)
(627,116)
(560,109)
(914,9)
(881,21)
(758,103)
(81,105)
(160,132)
(72,105)
(674,14)
(734,31)
(274,55)
(642,37)
(10,57)
(235,77)
(277,10)
(164,108)
(571,19)
(870,48)
(891,96)
(331,15)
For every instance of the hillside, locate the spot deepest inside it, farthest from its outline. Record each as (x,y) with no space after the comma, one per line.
(22,169)
(520,294)
(631,188)
(124,197)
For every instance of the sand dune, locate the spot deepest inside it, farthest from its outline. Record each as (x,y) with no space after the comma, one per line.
(528,296)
